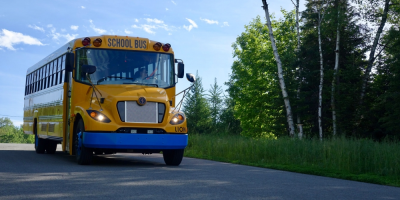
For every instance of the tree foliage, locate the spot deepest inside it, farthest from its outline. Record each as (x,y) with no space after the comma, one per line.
(12,134)
(254,84)
(197,109)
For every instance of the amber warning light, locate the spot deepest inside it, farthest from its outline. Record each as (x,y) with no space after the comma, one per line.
(157,46)
(97,42)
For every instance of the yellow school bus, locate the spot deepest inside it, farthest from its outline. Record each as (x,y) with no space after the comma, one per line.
(107,94)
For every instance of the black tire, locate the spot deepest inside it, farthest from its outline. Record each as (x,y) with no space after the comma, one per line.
(83,155)
(173,157)
(51,146)
(40,144)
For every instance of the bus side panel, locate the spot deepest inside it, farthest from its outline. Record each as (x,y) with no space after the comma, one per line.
(28,117)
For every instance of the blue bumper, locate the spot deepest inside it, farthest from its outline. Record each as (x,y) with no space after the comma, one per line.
(134,141)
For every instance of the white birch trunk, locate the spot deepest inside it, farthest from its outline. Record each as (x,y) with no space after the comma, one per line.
(372,53)
(335,74)
(285,95)
(321,80)
(299,124)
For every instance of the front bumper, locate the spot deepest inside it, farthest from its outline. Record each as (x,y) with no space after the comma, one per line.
(134,141)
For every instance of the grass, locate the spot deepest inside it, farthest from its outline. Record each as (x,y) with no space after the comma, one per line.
(353,159)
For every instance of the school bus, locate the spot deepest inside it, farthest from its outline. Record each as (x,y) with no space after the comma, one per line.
(106,94)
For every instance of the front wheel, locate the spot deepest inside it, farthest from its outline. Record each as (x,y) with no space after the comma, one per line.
(83,155)
(173,157)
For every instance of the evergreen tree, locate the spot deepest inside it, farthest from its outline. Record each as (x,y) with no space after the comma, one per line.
(197,109)
(215,101)
(229,124)
(349,76)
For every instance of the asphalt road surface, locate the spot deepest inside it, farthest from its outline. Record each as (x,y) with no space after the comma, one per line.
(27,175)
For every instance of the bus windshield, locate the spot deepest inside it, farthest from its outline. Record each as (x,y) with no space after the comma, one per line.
(126,67)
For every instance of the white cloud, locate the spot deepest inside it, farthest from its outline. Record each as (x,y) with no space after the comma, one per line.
(166,8)
(157,21)
(56,36)
(10,38)
(74,27)
(209,21)
(128,32)
(136,20)
(225,24)
(146,27)
(97,30)
(173,2)
(36,28)
(63,30)
(83,7)
(151,28)
(192,25)
(49,25)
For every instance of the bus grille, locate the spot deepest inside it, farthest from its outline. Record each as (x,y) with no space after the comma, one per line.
(151,112)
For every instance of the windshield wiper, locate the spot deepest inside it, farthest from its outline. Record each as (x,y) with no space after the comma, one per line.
(105,78)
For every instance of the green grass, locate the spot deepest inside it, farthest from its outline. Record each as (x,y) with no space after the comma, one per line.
(352,159)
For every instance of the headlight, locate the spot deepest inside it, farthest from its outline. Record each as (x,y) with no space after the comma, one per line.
(96,115)
(177,119)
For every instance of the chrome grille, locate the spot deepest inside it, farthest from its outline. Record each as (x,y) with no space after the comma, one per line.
(151,112)
(142,114)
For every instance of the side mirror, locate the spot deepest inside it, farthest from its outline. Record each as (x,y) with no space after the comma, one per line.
(69,62)
(88,69)
(181,70)
(190,77)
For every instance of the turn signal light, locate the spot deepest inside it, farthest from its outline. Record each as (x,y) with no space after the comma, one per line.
(93,114)
(157,46)
(96,115)
(166,47)
(86,41)
(97,42)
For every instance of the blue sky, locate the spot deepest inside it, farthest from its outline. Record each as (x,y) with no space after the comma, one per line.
(200,32)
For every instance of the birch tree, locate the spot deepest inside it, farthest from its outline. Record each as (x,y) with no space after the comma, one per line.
(335,71)
(299,123)
(285,95)
(372,56)
(321,61)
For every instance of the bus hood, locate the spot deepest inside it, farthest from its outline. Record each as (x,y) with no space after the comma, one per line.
(115,93)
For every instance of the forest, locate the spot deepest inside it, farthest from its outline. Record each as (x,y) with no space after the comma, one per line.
(339,61)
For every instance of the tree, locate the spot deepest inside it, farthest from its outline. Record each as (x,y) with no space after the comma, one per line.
(254,83)
(229,123)
(299,123)
(215,101)
(348,78)
(5,121)
(282,84)
(335,71)
(12,134)
(197,109)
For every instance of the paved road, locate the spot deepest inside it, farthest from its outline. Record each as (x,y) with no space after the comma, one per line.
(27,175)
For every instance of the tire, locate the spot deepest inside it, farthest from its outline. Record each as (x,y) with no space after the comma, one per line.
(40,144)
(83,155)
(173,157)
(51,146)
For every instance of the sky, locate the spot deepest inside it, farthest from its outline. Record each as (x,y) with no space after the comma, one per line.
(201,33)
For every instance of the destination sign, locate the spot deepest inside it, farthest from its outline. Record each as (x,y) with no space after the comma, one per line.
(127,43)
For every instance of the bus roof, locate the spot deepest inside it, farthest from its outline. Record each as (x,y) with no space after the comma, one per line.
(107,41)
